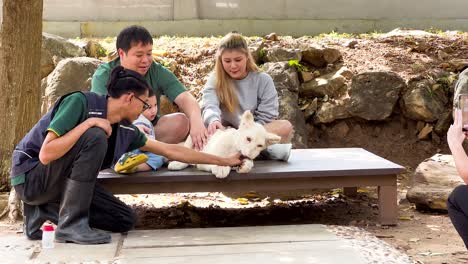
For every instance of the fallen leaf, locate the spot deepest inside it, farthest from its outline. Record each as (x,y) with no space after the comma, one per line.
(362,190)
(405,218)
(251,195)
(242,201)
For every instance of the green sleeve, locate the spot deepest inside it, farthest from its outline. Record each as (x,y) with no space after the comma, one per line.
(100,77)
(71,112)
(167,82)
(140,140)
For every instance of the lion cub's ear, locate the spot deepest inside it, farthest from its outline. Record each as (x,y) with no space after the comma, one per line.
(247,119)
(272,139)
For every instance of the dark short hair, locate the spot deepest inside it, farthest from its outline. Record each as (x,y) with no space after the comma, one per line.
(151,92)
(132,36)
(122,81)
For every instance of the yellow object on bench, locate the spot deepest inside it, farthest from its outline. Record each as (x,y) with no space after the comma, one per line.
(129,162)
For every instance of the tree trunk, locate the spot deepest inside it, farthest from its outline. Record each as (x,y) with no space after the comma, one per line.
(20,55)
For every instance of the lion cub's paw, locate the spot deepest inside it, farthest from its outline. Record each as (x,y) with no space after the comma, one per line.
(221,171)
(177,165)
(247,165)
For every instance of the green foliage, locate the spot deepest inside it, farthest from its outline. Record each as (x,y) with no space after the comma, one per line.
(334,34)
(102,51)
(297,64)
(371,34)
(261,54)
(446,81)
(417,67)
(435,31)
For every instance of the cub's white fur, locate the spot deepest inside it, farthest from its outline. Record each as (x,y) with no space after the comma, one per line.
(250,139)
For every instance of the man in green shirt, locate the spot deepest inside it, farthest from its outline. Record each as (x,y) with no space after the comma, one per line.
(134,46)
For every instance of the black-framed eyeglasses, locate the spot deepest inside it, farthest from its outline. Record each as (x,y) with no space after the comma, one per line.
(146,106)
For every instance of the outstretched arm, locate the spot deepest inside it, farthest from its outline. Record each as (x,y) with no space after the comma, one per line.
(186,155)
(455,138)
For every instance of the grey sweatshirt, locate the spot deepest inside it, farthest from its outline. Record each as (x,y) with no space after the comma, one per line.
(256,93)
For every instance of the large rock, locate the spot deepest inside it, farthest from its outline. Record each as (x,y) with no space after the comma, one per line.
(54,49)
(433,181)
(257,49)
(72,74)
(320,57)
(289,110)
(332,84)
(461,86)
(277,54)
(422,102)
(373,95)
(95,50)
(443,123)
(287,84)
(284,76)
(331,111)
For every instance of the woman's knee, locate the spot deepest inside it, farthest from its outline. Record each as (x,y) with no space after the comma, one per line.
(285,130)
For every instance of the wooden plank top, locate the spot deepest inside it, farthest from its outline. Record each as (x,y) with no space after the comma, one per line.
(325,162)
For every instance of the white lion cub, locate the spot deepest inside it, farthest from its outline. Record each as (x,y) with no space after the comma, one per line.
(250,139)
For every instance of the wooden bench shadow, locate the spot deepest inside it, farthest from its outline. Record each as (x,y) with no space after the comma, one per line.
(306,169)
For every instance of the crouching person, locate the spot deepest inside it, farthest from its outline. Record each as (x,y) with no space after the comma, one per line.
(55,166)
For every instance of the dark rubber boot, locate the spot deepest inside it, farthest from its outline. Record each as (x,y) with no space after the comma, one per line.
(35,215)
(73,224)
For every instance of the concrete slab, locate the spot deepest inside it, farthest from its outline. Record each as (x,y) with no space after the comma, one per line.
(227,235)
(16,248)
(256,244)
(74,253)
(295,252)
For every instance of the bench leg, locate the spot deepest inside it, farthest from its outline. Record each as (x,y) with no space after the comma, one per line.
(350,191)
(388,207)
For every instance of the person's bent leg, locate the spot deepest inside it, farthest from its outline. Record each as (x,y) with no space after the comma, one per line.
(457,206)
(172,128)
(43,189)
(73,224)
(281,151)
(282,128)
(108,213)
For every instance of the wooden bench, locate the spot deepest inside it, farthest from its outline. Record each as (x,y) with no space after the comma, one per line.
(306,169)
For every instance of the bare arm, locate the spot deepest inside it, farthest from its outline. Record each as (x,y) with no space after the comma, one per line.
(455,138)
(190,107)
(186,155)
(55,147)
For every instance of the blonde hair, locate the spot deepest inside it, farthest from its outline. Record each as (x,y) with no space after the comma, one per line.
(225,89)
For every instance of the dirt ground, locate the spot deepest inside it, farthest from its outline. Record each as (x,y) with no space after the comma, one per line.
(427,236)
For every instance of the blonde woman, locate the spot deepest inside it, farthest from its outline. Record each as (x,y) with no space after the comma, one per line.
(237,85)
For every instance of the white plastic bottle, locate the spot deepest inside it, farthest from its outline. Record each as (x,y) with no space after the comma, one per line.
(48,235)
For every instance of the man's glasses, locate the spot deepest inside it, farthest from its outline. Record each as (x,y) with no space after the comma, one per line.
(146,106)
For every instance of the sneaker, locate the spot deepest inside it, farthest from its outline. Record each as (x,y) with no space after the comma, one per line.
(129,161)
